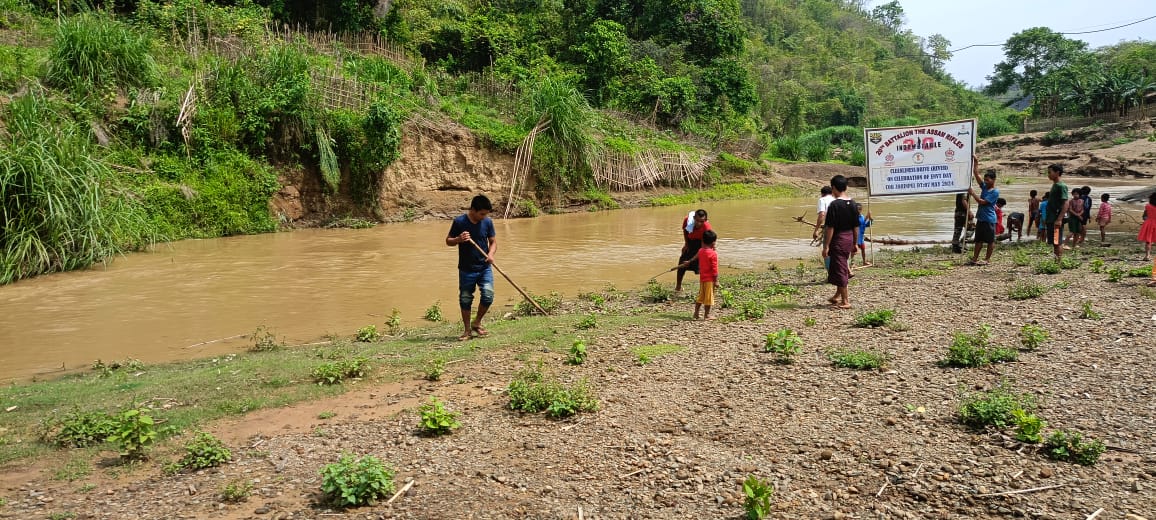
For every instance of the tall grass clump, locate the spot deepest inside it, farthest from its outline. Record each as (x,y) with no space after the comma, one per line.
(58,211)
(562,106)
(92,51)
(787,147)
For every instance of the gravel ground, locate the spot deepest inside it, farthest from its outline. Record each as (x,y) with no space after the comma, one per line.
(674,438)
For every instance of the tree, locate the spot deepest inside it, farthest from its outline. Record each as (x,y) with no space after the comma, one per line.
(605,51)
(889,14)
(1030,56)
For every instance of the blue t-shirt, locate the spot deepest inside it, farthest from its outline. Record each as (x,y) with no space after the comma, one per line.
(1043,211)
(863,225)
(469,258)
(986,212)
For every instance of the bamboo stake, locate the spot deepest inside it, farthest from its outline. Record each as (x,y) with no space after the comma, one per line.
(499,269)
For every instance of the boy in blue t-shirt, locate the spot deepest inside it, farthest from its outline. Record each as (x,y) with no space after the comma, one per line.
(474,261)
(985,218)
(864,223)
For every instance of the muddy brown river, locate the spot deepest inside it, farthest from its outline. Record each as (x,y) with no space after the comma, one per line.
(166,304)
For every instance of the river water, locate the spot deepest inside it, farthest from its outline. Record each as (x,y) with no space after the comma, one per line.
(161,305)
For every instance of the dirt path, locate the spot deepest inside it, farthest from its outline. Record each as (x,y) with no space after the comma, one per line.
(675,437)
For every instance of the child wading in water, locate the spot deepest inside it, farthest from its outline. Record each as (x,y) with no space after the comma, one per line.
(707,259)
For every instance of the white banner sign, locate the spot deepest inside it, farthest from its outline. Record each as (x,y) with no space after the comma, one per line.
(920,159)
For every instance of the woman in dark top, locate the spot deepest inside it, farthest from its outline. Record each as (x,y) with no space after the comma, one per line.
(691,243)
(842,230)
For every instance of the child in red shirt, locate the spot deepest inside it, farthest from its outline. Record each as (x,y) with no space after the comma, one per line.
(707,259)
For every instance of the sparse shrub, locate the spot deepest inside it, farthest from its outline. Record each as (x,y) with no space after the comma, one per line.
(435,369)
(646,353)
(726,298)
(752,310)
(394,323)
(1069,262)
(656,292)
(1021,258)
(1140,272)
(1089,313)
(435,419)
(349,482)
(858,359)
(785,344)
(1047,266)
(264,340)
(112,367)
(1072,447)
(816,151)
(758,493)
(1026,290)
(549,303)
(81,429)
(337,371)
(1028,426)
(577,353)
(809,321)
(434,312)
(534,391)
(236,491)
(1032,336)
(588,322)
(975,350)
(994,408)
(1115,274)
(204,451)
(134,431)
(787,148)
(368,334)
(1002,355)
(1053,137)
(1097,265)
(874,318)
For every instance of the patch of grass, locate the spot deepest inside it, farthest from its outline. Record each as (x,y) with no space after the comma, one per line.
(599,200)
(236,491)
(874,318)
(732,191)
(785,344)
(74,469)
(1115,274)
(809,321)
(997,407)
(758,493)
(534,390)
(1140,272)
(656,292)
(1047,266)
(588,322)
(752,310)
(1032,336)
(353,482)
(79,429)
(1069,262)
(916,273)
(434,312)
(265,341)
(203,451)
(1021,258)
(434,369)
(858,359)
(1071,446)
(647,353)
(549,303)
(1096,265)
(1026,290)
(326,415)
(436,420)
(975,350)
(1089,313)
(333,373)
(368,334)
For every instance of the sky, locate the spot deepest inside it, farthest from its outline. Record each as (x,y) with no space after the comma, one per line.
(994,21)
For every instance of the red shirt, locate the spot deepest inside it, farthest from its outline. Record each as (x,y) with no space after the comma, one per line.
(698,231)
(707,265)
(998,221)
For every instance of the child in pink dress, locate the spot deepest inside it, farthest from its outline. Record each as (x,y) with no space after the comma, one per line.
(1147,233)
(1104,216)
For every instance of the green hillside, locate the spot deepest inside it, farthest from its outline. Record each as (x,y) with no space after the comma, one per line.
(142,121)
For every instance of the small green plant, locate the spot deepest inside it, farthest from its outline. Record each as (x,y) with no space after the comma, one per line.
(996,407)
(1026,290)
(65,515)
(809,321)
(368,334)
(1028,426)
(752,310)
(81,429)
(656,292)
(264,340)
(236,491)
(134,431)
(1072,447)
(436,420)
(434,369)
(1021,258)
(726,299)
(1069,262)
(875,318)
(394,323)
(1032,336)
(1115,274)
(590,321)
(1047,266)
(549,303)
(113,367)
(434,312)
(917,273)
(1089,313)
(533,391)
(758,493)
(858,359)
(1097,265)
(353,482)
(785,344)
(204,451)
(1140,272)
(976,350)
(74,469)
(326,415)
(337,371)
(577,353)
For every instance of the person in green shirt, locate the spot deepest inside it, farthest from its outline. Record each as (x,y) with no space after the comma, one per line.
(1057,208)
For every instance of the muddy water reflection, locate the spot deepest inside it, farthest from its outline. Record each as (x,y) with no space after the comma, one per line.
(303,284)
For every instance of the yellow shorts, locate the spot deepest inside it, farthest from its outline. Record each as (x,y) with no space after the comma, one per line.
(705,294)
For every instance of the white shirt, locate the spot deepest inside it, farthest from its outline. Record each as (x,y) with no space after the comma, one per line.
(825,201)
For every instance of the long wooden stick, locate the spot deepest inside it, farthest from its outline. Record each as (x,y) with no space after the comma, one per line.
(527,296)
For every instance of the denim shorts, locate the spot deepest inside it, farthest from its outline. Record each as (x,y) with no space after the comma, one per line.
(469,280)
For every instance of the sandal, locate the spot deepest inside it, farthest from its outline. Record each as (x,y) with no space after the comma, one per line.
(464,337)
(480,332)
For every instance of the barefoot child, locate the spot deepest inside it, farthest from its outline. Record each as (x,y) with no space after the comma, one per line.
(1033,212)
(1104,216)
(707,259)
(1147,233)
(864,223)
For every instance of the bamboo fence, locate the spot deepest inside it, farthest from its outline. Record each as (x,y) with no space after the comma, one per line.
(622,171)
(1067,123)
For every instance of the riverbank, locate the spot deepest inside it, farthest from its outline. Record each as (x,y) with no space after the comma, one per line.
(675,433)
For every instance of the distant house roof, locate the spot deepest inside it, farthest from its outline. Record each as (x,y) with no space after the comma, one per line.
(1022,104)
